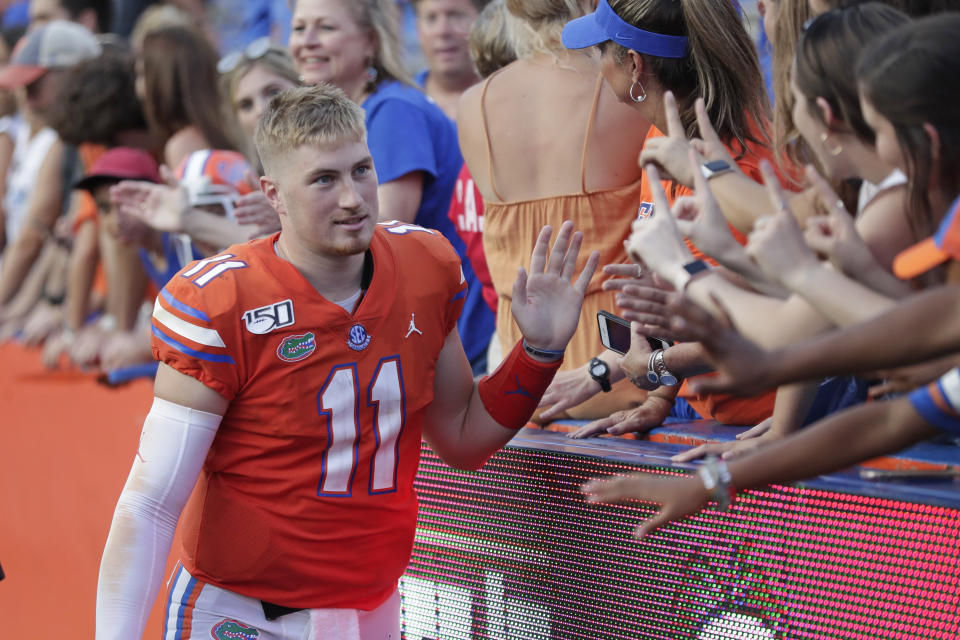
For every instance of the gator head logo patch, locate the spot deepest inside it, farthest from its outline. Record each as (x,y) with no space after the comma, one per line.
(233,630)
(296,348)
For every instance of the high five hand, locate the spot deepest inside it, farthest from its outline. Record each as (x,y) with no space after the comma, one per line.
(546,304)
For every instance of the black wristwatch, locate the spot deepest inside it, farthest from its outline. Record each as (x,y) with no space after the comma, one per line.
(600,371)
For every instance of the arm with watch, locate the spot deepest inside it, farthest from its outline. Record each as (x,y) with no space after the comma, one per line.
(657,243)
(699,219)
(660,371)
(742,200)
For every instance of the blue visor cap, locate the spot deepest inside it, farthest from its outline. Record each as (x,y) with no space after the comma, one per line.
(603,24)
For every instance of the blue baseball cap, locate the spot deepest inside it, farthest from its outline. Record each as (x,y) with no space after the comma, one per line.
(604,24)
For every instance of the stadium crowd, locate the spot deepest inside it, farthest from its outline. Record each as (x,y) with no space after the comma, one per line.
(792,244)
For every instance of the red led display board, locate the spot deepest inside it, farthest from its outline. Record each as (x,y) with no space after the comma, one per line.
(513,551)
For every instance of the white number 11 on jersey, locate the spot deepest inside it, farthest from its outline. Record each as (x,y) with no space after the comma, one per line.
(338,402)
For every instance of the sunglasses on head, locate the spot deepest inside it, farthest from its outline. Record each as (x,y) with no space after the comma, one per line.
(252,52)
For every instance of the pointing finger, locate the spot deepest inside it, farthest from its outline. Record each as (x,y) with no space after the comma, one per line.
(674,124)
(707,132)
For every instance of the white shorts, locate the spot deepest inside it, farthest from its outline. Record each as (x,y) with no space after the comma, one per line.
(198,610)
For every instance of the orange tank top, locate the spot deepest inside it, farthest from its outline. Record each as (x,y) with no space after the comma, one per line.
(510,231)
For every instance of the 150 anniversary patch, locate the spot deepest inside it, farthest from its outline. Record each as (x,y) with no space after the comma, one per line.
(269,318)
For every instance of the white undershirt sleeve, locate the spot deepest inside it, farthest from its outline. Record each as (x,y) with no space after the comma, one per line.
(174,443)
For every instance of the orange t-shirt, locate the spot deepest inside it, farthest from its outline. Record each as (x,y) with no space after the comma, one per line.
(721,407)
(85,208)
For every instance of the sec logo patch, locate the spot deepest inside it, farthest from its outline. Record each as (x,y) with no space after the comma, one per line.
(358,338)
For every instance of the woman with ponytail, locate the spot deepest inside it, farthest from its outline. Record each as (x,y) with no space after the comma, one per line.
(656,54)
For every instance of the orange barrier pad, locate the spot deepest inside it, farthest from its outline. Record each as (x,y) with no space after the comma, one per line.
(66,446)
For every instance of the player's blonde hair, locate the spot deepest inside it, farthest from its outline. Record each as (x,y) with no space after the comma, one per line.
(320,115)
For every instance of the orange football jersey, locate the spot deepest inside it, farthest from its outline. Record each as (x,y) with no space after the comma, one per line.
(306,498)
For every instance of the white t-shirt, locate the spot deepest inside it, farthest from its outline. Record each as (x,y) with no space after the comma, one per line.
(28,155)
(869,191)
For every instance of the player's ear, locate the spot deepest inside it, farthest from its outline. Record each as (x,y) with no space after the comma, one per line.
(269,187)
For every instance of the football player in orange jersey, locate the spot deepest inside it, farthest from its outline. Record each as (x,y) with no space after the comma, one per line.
(298,374)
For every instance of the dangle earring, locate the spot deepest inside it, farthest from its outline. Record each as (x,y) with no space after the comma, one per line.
(835,151)
(372,74)
(640,98)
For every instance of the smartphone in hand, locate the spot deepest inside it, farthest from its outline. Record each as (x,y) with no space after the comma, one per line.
(615,334)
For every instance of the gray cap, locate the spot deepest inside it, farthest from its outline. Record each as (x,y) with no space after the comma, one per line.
(56,45)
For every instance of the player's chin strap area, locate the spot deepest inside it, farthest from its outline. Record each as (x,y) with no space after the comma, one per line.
(512,392)
(173,446)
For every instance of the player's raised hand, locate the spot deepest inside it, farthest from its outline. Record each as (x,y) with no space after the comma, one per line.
(680,497)
(546,304)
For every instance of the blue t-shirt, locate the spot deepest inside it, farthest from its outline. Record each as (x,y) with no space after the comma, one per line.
(16,15)
(407,132)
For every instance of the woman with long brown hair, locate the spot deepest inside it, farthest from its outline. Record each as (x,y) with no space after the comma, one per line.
(178,83)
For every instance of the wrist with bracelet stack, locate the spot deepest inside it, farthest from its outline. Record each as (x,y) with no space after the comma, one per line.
(657,371)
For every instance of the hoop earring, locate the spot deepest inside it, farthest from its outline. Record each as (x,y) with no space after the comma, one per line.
(837,150)
(638,98)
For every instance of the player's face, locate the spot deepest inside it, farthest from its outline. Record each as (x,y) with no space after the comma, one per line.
(327,197)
